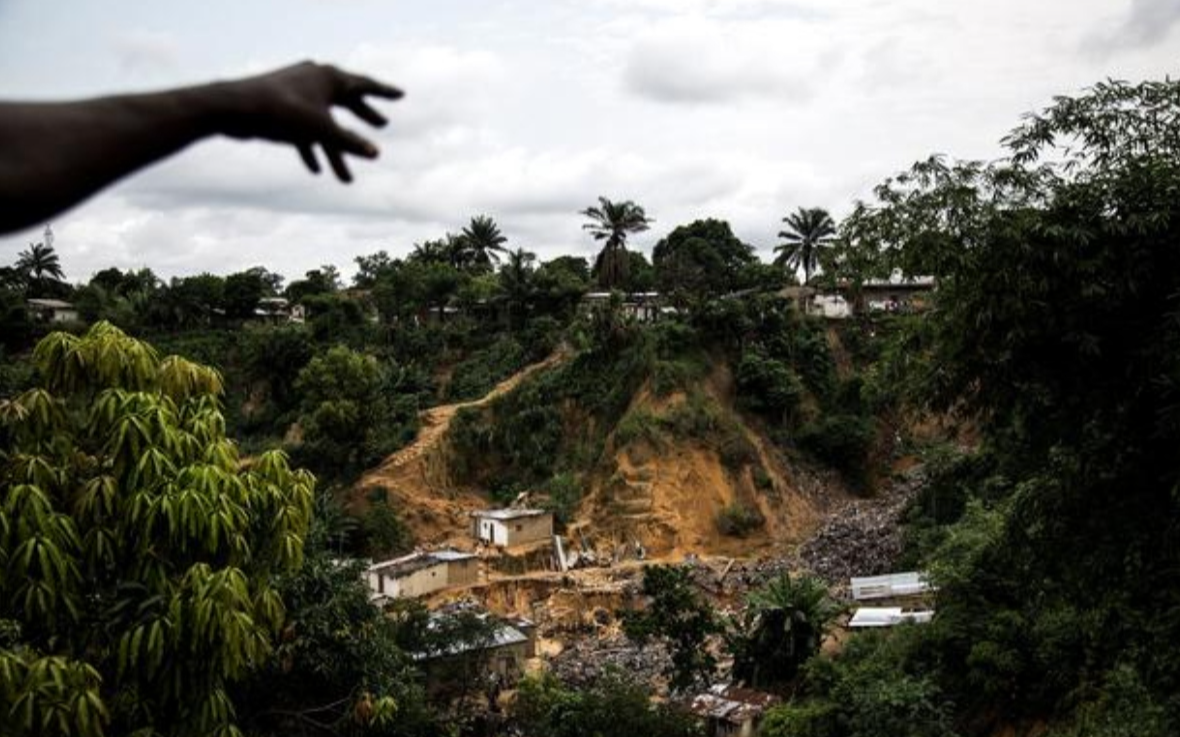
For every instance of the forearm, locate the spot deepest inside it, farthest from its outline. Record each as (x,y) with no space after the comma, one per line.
(54,155)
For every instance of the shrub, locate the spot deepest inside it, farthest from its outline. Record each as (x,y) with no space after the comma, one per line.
(738,519)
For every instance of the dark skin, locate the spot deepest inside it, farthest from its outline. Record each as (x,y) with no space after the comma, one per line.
(55,155)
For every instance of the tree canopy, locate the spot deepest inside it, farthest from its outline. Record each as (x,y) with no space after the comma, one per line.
(137,550)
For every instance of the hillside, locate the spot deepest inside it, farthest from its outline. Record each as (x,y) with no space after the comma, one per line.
(417,478)
(673,473)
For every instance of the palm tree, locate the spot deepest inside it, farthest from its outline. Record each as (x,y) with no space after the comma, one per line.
(782,625)
(40,263)
(612,222)
(809,229)
(483,242)
(516,281)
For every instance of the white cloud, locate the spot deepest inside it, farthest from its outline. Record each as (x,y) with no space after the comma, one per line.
(700,61)
(1145,23)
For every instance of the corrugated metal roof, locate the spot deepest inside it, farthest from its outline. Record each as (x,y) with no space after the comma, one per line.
(408,564)
(893,584)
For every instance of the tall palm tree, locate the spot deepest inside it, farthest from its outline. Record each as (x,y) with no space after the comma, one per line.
(483,242)
(782,625)
(40,263)
(516,281)
(809,229)
(613,222)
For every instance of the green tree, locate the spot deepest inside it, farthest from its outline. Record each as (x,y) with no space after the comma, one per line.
(809,230)
(343,403)
(241,294)
(612,222)
(675,613)
(138,551)
(41,267)
(613,704)
(482,243)
(1056,330)
(517,284)
(781,626)
(700,260)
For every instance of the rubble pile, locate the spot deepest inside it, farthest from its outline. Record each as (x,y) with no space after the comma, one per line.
(863,539)
(586,659)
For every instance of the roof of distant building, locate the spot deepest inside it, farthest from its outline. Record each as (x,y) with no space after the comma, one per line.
(54,304)
(510,513)
(407,564)
(732,703)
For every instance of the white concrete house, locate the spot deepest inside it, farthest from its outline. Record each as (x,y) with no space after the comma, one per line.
(52,310)
(509,527)
(419,574)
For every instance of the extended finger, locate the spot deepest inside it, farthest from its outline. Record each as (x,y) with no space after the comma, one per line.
(362,85)
(345,140)
(336,159)
(308,155)
(365,112)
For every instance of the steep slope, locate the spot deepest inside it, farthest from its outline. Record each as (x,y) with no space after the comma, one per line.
(416,479)
(670,491)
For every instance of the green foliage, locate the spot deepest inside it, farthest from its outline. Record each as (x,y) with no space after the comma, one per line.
(676,613)
(701,260)
(781,626)
(384,531)
(768,386)
(842,441)
(738,519)
(137,550)
(874,688)
(347,418)
(613,704)
(1055,329)
(338,666)
(564,491)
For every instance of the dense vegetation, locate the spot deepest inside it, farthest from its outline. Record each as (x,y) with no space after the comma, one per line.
(155,581)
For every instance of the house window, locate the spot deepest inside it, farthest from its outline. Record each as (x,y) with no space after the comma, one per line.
(519,527)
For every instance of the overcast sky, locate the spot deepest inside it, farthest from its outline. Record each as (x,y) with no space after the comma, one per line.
(529,110)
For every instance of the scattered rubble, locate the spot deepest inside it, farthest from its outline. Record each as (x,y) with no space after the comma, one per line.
(586,659)
(864,538)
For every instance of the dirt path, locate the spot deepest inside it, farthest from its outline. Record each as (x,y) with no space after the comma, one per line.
(437,420)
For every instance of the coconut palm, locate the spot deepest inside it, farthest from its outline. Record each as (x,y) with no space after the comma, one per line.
(483,242)
(809,229)
(782,625)
(516,282)
(613,222)
(40,264)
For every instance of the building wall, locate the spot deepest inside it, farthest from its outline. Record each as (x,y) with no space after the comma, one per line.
(463,572)
(422,581)
(529,529)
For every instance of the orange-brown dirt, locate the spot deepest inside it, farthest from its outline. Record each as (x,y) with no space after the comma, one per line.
(667,498)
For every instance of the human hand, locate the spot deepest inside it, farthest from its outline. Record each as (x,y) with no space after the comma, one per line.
(293,105)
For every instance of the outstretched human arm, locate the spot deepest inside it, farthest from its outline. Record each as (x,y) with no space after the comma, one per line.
(54,155)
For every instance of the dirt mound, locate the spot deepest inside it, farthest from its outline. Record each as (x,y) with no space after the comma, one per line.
(669,497)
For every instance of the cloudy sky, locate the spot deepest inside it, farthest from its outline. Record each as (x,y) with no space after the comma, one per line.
(528,110)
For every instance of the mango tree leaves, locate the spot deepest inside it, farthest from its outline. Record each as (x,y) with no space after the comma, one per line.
(136,548)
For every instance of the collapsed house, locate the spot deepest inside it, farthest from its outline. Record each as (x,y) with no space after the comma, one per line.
(468,645)
(731,711)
